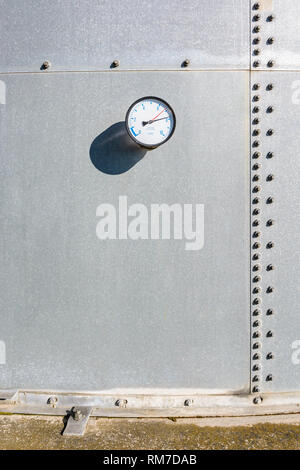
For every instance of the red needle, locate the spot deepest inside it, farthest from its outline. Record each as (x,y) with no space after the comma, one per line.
(158,114)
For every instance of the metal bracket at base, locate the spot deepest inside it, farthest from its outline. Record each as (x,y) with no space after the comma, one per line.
(77,421)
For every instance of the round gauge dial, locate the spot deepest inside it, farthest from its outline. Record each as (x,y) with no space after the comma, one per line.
(150,121)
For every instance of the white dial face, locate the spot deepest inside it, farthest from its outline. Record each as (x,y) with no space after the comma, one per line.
(150,122)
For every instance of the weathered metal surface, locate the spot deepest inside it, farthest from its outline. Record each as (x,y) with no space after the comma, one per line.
(90,35)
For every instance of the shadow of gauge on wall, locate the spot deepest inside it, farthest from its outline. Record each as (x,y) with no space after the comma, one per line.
(113,152)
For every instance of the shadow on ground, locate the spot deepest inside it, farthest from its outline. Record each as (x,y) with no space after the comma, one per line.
(32,432)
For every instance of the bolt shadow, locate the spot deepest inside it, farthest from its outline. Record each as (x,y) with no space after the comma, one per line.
(65,420)
(113,152)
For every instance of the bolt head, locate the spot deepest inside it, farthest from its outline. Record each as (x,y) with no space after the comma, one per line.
(52,401)
(77,415)
(186,63)
(115,63)
(121,402)
(46,65)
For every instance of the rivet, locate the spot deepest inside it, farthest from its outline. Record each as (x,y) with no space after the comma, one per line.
(255,378)
(255,223)
(270,289)
(256,86)
(270,132)
(270,109)
(256,301)
(256,132)
(52,401)
(256,357)
(270,18)
(256,246)
(121,403)
(270,86)
(255,121)
(256,290)
(270,334)
(256,155)
(256,234)
(270,312)
(270,155)
(256,267)
(270,177)
(185,63)
(270,222)
(271,63)
(256,312)
(270,200)
(255,200)
(255,109)
(256,367)
(270,245)
(256,40)
(256,98)
(270,355)
(269,378)
(256,51)
(257,400)
(256,6)
(270,40)
(256,256)
(255,389)
(188,402)
(256,189)
(256,324)
(256,178)
(256,63)
(256,17)
(256,29)
(256,279)
(115,64)
(256,166)
(256,211)
(270,267)
(256,334)
(46,65)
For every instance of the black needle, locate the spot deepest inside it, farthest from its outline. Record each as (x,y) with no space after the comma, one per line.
(144,123)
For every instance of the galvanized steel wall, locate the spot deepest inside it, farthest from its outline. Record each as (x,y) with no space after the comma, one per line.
(146,320)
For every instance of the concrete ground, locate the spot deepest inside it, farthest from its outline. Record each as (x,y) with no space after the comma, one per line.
(43,432)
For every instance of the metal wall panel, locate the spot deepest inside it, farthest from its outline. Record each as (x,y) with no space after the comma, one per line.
(278,24)
(141,34)
(83,314)
(279,240)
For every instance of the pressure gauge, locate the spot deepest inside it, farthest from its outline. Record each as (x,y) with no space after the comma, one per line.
(150,121)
